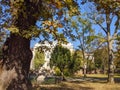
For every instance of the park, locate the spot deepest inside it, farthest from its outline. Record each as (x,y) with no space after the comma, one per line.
(59,44)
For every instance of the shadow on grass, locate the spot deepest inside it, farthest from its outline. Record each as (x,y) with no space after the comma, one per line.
(89,79)
(74,86)
(53,88)
(95,79)
(63,88)
(76,83)
(117,79)
(103,79)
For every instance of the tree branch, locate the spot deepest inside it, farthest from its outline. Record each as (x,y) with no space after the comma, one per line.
(116,28)
(102,27)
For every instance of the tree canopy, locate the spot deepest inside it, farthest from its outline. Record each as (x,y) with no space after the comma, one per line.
(106,16)
(25,20)
(50,15)
(60,58)
(53,19)
(67,62)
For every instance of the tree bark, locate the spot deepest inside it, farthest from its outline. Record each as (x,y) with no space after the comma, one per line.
(16,51)
(18,55)
(110,51)
(110,63)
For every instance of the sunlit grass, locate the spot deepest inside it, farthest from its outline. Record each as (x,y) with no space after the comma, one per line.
(80,86)
(97,75)
(92,86)
(102,75)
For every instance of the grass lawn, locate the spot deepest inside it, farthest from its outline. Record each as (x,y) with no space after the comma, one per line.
(92,82)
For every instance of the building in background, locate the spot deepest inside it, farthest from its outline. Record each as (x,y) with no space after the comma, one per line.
(47,48)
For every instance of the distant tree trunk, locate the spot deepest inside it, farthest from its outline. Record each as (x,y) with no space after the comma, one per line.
(104,72)
(85,70)
(18,55)
(63,77)
(84,65)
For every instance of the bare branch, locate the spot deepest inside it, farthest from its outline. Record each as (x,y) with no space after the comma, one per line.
(102,27)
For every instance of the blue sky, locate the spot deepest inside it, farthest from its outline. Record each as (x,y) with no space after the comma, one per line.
(85,8)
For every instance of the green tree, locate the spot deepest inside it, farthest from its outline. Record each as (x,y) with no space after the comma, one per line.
(117,54)
(61,58)
(80,30)
(39,59)
(106,17)
(91,66)
(76,62)
(108,10)
(22,26)
(100,59)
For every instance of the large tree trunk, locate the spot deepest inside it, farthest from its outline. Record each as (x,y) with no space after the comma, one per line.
(110,63)
(16,51)
(110,51)
(18,55)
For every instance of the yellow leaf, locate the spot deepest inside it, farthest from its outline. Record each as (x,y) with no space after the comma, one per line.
(13,29)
